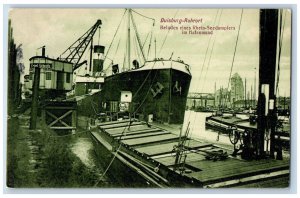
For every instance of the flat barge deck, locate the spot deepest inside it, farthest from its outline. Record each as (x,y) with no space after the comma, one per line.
(137,154)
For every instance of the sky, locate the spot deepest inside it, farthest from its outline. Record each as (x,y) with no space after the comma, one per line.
(210,56)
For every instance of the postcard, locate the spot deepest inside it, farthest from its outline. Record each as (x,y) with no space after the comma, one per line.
(149,98)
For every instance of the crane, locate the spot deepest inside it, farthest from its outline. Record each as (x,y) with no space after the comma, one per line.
(57,81)
(74,53)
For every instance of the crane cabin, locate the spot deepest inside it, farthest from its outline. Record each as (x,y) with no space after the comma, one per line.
(55,74)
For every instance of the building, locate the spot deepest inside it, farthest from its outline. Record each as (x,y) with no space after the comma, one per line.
(222,98)
(237,88)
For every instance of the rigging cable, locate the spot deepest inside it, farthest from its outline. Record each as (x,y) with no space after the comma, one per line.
(143,15)
(111,59)
(197,88)
(150,40)
(124,134)
(203,64)
(151,66)
(140,105)
(138,52)
(145,40)
(211,52)
(114,35)
(124,60)
(137,55)
(138,37)
(280,47)
(167,34)
(233,58)
(279,34)
(116,49)
(124,131)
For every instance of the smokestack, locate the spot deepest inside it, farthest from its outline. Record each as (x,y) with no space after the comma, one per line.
(43,51)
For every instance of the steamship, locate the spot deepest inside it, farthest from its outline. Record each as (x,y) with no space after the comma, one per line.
(138,149)
(147,89)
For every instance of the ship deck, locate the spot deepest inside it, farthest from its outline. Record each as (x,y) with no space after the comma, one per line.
(155,145)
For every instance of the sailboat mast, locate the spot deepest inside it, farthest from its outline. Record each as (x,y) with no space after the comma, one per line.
(254,88)
(215,94)
(251,97)
(128,44)
(245,93)
(155,48)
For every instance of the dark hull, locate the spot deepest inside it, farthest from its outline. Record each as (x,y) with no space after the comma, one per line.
(167,106)
(120,171)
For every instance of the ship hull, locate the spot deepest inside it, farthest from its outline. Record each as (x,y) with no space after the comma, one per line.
(161,92)
(120,170)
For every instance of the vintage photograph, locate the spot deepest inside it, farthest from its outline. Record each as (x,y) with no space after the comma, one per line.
(148,98)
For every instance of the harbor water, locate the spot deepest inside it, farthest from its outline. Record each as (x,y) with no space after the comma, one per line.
(197,130)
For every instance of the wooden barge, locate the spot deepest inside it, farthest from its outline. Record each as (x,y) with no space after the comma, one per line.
(222,123)
(137,154)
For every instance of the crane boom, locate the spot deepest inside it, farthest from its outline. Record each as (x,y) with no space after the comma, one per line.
(74,53)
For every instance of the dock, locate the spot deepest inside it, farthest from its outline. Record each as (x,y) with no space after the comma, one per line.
(150,152)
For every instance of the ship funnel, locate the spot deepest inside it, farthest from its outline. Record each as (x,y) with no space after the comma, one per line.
(43,51)
(98,62)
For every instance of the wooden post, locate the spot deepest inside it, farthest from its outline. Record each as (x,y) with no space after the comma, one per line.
(267,73)
(35,93)
(74,120)
(35,96)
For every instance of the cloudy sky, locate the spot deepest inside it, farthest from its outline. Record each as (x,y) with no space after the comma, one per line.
(59,28)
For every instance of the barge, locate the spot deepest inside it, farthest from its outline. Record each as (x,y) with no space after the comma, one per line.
(137,154)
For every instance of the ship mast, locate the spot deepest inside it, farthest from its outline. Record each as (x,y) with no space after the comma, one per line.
(245,93)
(128,41)
(254,88)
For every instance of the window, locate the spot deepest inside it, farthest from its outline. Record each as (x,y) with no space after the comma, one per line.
(68,77)
(48,75)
